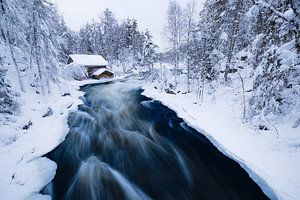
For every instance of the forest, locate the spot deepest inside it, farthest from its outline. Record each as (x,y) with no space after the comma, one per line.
(230,72)
(254,42)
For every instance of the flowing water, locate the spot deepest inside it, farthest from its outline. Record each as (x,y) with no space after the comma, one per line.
(125,146)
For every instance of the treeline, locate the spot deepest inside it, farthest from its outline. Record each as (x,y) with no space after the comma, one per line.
(245,40)
(30,48)
(120,43)
(35,43)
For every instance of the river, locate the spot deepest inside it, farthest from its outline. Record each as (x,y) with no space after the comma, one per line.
(123,145)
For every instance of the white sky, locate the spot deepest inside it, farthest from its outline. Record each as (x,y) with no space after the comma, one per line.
(151,14)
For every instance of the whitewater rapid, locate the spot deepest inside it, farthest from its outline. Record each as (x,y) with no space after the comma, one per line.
(123,145)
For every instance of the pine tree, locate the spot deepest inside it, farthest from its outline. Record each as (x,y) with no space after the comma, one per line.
(149,52)
(8,101)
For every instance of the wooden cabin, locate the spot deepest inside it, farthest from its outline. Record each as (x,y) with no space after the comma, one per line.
(102,73)
(91,62)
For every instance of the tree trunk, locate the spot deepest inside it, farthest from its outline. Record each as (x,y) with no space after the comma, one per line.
(188,76)
(297,39)
(17,67)
(35,50)
(244,96)
(176,67)
(2,14)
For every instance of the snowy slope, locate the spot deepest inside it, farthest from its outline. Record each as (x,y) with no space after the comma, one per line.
(24,170)
(272,158)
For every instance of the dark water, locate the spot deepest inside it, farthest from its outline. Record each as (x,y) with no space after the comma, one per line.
(123,145)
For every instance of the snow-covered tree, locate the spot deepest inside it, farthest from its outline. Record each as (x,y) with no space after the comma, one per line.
(190,28)
(110,28)
(8,98)
(175,32)
(149,56)
(117,42)
(43,40)
(266,34)
(32,31)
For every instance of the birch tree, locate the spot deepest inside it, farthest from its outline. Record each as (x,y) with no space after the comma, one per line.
(190,28)
(175,33)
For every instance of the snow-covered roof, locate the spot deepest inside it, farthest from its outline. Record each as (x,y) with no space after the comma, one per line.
(100,71)
(88,60)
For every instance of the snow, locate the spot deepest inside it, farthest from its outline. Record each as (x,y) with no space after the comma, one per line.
(24,171)
(224,36)
(118,68)
(287,56)
(271,158)
(74,71)
(289,14)
(89,60)
(252,12)
(100,71)
(257,41)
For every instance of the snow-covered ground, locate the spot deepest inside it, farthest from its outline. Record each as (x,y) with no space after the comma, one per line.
(25,139)
(272,158)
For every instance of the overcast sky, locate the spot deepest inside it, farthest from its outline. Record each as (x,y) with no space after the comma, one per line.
(151,14)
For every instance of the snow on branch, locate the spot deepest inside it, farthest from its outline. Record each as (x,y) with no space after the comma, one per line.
(271,8)
(276,12)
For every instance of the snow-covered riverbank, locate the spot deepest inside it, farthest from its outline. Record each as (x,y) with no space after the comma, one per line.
(272,155)
(26,138)
(40,127)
